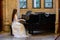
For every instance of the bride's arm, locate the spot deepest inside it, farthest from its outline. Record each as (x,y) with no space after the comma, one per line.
(16,18)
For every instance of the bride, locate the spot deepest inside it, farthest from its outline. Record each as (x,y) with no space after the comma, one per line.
(18,29)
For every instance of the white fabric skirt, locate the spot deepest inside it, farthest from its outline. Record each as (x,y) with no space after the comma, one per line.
(18,29)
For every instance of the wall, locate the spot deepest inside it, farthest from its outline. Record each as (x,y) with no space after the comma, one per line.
(8,6)
(57,16)
(42,9)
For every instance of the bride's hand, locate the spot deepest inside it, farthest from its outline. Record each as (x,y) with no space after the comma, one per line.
(22,20)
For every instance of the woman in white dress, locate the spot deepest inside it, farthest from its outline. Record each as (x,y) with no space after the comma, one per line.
(18,29)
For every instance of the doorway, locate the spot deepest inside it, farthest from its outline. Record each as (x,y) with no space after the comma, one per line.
(1,15)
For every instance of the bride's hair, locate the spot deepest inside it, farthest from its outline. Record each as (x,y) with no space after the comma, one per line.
(13,14)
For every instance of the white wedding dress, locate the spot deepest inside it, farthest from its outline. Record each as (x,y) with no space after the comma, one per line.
(18,29)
